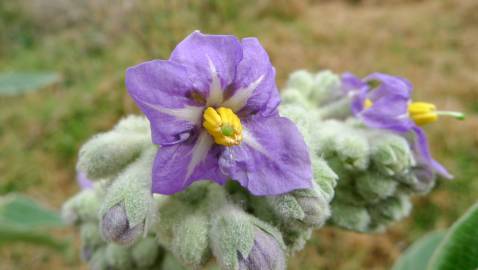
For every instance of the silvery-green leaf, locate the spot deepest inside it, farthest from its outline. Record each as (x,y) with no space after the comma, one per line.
(24,220)
(16,83)
(23,212)
(418,255)
(459,248)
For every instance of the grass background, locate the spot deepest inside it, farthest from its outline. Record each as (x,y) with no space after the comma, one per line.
(90,43)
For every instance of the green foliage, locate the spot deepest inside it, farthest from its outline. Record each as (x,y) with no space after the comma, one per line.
(23,212)
(445,250)
(23,220)
(417,256)
(459,249)
(18,83)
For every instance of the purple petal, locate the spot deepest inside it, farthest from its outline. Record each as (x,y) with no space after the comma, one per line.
(422,147)
(350,82)
(205,56)
(83,181)
(357,89)
(254,85)
(272,159)
(179,165)
(388,112)
(390,85)
(162,89)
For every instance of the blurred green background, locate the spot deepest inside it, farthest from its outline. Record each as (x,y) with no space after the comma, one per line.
(90,43)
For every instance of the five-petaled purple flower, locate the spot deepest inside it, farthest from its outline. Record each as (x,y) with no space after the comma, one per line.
(384,101)
(213,110)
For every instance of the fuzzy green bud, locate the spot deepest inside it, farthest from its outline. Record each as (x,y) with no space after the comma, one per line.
(90,235)
(83,207)
(301,80)
(106,154)
(145,252)
(350,217)
(190,242)
(128,202)
(326,87)
(373,186)
(232,233)
(118,257)
(390,153)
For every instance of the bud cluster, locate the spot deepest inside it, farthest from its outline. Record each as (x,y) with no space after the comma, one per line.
(363,181)
(123,226)
(377,170)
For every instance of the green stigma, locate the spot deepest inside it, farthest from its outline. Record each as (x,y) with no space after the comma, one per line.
(227,131)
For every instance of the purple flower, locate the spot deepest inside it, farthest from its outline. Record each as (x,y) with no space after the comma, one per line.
(83,181)
(384,101)
(213,110)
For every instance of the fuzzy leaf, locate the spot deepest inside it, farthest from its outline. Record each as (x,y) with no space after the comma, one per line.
(22,82)
(459,249)
(23,220)
(24,213)
(417,256)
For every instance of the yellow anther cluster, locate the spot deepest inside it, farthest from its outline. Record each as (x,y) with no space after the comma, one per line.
(422,112)
(223,125)
(367,103)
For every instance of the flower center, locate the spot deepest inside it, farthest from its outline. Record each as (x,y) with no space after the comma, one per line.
(223,125)
(423,113)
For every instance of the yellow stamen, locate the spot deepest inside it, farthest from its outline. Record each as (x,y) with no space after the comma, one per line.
(422,113)
(223,125)
(367,103)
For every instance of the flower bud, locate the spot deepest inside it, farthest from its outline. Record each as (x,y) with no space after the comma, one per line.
(324,176)
(83,181)
(190,240)
(128,202)
(86,253)
(98,260)
(419,180)
(316,209)
(301,80)
(115,226)
(266,254)
(350,217)
(240,241)
(106,154)
(83,207)
(133,124)
(326,87)
(145,252)
(390,153)
(294,97)
(391,209)
(349,145)
(372,186)
(301,207)
(90,240)
(118,257)
(171,263)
